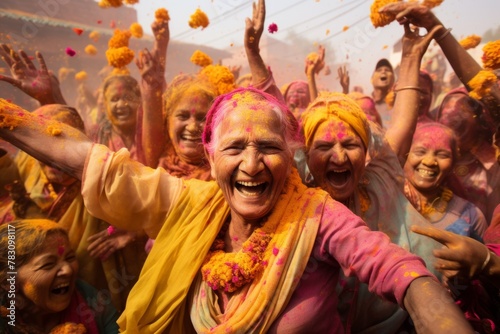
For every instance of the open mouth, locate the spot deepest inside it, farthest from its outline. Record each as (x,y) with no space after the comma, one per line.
(251,188)
(61,289)
(338,177)
(426,172)
(194,139)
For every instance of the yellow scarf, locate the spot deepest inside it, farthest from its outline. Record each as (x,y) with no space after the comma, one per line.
(158,302)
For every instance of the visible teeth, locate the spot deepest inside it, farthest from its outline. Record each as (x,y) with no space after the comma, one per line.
(339,171)
(426,172)
(250,184)
(63,285)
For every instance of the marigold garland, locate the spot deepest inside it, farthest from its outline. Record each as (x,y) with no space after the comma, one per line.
(389,99)
(491,56)
(220,76)
(90,50)
(230,271)
(136,30)
(381,19)
(481,84)
(161,14)
(470,42)
(198,19)
(439,204)
(201,59)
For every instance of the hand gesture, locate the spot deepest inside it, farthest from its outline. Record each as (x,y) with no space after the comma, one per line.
(462,257)
(40,84)
(150,68)
(255,26)
(414,44)
(412,12)
(344,79)
(103,245)
(314,66)
(161,32)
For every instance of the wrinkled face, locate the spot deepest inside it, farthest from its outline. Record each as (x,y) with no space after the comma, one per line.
(298,96)
(251,161)
(185,125)
(56,176)
(336,158)
(458,115)
(425,96)
(48,279)
(430,160)
(121,105)
(383,77)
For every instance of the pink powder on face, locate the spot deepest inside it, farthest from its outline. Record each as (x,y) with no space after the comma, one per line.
(60,250)
(275,251)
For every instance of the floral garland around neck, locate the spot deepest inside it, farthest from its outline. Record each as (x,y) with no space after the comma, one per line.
(439,204)
(229,271)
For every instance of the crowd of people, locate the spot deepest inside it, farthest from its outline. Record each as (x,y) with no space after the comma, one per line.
(193,207)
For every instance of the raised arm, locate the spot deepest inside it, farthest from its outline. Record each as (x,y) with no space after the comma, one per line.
(460,60)
(344,79)
(312,69)
(152,68)
(253,32)
(404,118)
(53,143)
(40,84)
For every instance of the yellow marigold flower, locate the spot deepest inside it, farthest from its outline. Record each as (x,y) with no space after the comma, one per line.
(491,55)
(481,84)
(109,3)
(198,19)
(432,3)
(120,71)
(90,50)
(119,39)
(81,76)
(130,2)
(136,30)
(161,14)
(64,73)
(378,19)
(94,35)
(201,59)
(470,42)
(119,57)
(221,78)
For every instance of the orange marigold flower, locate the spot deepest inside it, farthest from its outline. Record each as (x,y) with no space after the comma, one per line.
(130,2)
(378,19)
(119,39)
(198,19)
(109,3)
(201,59)
(94,35)
(119,57)
(327,32)
(491,55)
(81,76)
(220,76)
(481,84)
(90,50)
(432,3)
(470,42)
(69,327)
(161,14)
(136,30)
(345,28)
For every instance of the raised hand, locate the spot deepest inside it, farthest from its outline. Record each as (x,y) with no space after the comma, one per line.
(344,79)
(150,68)
(40,84)
(255,26)
(412,12)
(103,245)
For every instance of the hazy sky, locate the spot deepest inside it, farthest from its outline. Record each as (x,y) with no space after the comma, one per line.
(321,21)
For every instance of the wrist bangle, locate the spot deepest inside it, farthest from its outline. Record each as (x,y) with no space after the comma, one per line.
(487,260)
(408,87)
(443,35)
(111,230)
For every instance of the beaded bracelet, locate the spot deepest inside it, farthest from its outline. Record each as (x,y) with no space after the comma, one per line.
(487,260)
(408,87)
(443,35)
